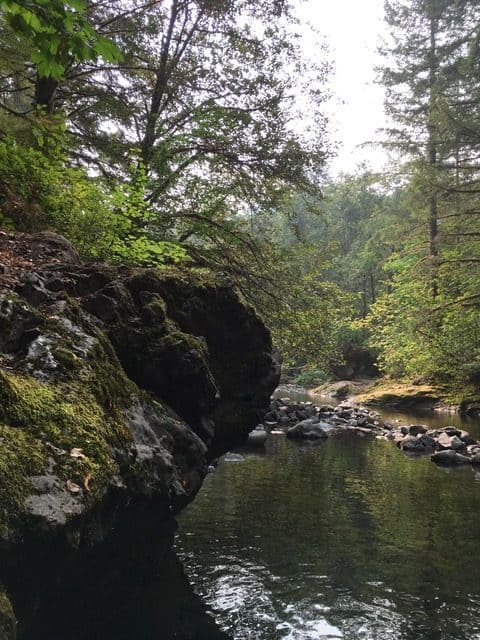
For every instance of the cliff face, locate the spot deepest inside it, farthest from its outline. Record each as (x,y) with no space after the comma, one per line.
(116,386)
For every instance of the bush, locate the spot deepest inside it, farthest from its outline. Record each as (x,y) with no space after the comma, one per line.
(39,192)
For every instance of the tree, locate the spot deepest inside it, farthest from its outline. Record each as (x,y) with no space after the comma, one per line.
(59,34)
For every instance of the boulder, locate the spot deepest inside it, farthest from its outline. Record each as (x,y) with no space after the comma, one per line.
(449,457)
(446,441)
(308,430)
(411,444)
(116,388)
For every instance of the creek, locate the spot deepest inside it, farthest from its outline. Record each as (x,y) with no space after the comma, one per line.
(348,538)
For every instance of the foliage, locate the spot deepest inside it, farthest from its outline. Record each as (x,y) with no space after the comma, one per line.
(206,92)
(59,33)
(39,192)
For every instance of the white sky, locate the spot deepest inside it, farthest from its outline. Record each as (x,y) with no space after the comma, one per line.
(352,29)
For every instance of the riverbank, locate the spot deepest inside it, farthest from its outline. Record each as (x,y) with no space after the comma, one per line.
(387,393)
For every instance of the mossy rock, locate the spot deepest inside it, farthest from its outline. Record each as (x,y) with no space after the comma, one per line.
(401,396)
(40,425)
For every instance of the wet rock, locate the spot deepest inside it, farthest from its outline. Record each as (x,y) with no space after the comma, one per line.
(257,437)
(449,457)
(415,429)
(452,431)
(308,430)
(466,438)
(412,444)
(446,441)
(427,441)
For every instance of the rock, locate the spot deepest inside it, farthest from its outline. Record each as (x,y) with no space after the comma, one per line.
(145,373)
(415,429)
(449,457)
(451,431)
(412,444)
(427,441)
(233,457)
(308,430)
(466,438)
(257,437)
(8,622)
(446,441)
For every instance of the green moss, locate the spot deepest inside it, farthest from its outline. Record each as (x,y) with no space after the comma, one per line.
(105,377)
(396,394)
(179,341)
(66,358)
(21,455)
(36,415)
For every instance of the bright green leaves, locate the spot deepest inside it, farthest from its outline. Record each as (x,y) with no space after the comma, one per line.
(133,219)
(59,33)
(38,193)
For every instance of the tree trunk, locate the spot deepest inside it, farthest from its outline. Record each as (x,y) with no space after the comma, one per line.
(432,158)
(45,90)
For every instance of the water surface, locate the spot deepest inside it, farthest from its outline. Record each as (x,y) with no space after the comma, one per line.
(347,539)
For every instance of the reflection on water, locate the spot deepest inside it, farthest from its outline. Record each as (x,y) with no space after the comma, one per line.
(347,539)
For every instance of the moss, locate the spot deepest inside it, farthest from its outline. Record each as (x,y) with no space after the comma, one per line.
(106,379)
(392,394)
(22,455)
(36,413)
(180,341)
(66,358)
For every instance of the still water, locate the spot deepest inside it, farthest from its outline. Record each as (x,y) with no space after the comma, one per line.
(347,539)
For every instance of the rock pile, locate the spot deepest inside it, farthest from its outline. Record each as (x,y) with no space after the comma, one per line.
(305,420)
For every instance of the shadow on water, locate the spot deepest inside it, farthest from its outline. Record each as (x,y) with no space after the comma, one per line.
(130,586)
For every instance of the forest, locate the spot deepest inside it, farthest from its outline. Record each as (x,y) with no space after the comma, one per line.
(192,133)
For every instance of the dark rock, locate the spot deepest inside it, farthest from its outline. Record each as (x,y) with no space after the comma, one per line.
(451,431)
(449,457)
(415,429)
(427,441)
(117,383)
(412,444)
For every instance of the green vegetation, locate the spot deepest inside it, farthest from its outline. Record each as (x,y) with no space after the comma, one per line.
(163,135)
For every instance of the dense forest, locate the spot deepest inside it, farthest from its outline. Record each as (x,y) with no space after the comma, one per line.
(192,133)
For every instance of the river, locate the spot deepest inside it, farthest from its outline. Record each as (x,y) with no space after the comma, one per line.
(347,539)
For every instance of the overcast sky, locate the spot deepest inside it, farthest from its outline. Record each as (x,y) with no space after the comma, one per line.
(352,29)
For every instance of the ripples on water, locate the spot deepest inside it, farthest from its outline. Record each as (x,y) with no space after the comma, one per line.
(348,539)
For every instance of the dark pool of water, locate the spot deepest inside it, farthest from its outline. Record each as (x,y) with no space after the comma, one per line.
(347,539)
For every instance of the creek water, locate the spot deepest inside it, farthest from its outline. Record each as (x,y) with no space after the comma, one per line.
(347,539)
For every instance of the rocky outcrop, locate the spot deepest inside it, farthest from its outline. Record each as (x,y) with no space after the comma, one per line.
(116,386)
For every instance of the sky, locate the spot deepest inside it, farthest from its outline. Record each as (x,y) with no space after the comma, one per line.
(352,29)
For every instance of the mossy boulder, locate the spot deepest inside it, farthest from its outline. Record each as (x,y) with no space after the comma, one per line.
(116,385)
(401,395)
